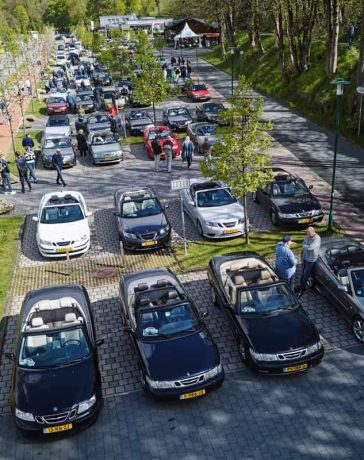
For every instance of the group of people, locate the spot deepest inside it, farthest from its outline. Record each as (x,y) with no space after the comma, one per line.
(177,68)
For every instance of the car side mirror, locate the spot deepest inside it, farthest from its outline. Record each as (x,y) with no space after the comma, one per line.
(99,342)
(310,187)
(343,288)
(10,356)
(204,314)
(129,330)
(191,203)
(166,206)
(35,218)
(89,213)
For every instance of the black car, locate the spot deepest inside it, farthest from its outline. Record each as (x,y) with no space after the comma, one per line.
(289,200)
(339,276)
(177,118)
(85,91)
(85,102)
(98,122)
(137,121)
(141,219)
(177,355)
(274,334)
(209,111)
(56,383)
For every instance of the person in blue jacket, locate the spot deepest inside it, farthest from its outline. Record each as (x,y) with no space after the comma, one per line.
(286,261)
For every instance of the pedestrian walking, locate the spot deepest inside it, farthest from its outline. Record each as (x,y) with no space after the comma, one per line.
(168,152)
(22,167)
(206,149)
(30,161)
(157,150)
(113,124)
(27,141)
(310,252)
(57,162)
(286,261)
(351,33)
(81,143)
(28,85)
(71,103)
(188,150)
(6,176)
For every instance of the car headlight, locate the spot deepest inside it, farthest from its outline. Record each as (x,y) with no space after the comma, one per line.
(68,157)
(158,384)
(316,212)
(263,356)
(213,372)
(211,224)
(117,153)
(132,236)
(27,416)
(45,242)
(313,348)
(165,230)
(241,221)
(287,216)
(86,405)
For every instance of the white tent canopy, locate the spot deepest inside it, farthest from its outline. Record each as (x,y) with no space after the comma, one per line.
(186,32)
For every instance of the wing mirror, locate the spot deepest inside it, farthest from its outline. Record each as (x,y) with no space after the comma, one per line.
(191,203)
(99,342)
(204,314)
(310,187)
(343,288)
(129,330)
(35,218)
(10,356)
(89,213)
(165,205)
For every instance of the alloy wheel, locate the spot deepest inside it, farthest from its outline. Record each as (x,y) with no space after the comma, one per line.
(358,329)
(213,294)
(199,228)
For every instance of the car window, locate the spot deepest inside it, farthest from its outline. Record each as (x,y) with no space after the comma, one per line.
(289,188)
(56,100)
(140,208)
(266,299)
(102,139)
(357,277)
(214,198)
(198,87)
(98,119)
(83,97)
(56,348)
(61,214)
(57,143)
(53,121)
(213,108)
(207,130)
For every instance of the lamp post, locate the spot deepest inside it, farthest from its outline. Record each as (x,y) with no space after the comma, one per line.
(340,82)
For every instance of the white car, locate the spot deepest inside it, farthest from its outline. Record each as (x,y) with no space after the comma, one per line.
(213,209)
(63,227)
(61,59)
(81,78)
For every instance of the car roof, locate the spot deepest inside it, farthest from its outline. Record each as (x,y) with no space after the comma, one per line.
(206,185)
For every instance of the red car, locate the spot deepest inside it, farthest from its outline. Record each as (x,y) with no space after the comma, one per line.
(56,105)
(160,132)
(198,92)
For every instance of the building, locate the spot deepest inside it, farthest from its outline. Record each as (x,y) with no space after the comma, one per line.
(152,24)
(207,33)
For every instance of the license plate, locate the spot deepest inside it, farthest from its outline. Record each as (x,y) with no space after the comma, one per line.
(65,249)
(305,221)
(194,394)
(57,429)
(300,367)
(150,243)
(231,230)
(110,158)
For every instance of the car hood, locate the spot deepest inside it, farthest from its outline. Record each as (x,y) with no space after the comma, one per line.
(55,105)
(232,211)
(211,138)
(62,130)
(85,103)
(179,119)
(64,151)
(147,224)
(106,148)
(140,122)
(290,205)
(99,127)
(179,357)
(280,332)
(71,231)
(40,391)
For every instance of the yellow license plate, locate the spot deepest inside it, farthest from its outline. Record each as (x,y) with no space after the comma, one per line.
(194,394)
(301,367)
(57,429)
(150,243)
(305,221)
(65,249)
(110,158)
(231,230)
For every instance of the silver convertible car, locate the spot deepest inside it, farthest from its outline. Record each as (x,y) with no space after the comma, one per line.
(339,275)
(104,148)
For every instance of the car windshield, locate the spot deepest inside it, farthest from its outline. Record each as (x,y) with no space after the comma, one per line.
(213,198)
(198,87)
(357,277)
(107,95)
(56,100)
(207,130)
(178,112)
(142,207)
(160,134)
(289,188)
(80,77)
(61,214)
(138,115)
(213,108)
(57,143)
(98,119)
(84,97)
(51,349)
(102,139)
(266,299)
(167,321)
(53,121)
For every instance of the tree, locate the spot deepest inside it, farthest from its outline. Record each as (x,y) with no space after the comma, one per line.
(332,12)
(239,158)
(360,72)
(22,16)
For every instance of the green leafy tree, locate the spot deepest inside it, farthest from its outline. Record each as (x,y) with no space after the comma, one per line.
(22,16)
(239,157)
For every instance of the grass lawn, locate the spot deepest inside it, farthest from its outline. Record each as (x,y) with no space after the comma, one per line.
(131,140)
(9,236)
(39,108)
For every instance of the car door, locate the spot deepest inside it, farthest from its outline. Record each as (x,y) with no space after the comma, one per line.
(264,196)
(199,113)
(189,203)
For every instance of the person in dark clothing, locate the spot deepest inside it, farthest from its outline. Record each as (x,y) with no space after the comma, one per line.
(22,171)
(80,124)
(187,151)
(27,141)
(113,124)
(157,150)
(6,176)
(351,33)
(57,162)
(173,60)
(81,143)
(168,151)
(71,103)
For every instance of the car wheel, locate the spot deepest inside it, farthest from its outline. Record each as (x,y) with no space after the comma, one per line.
(311,282)
(213,294)
(143,380)
(358,329)
(199,228)
(255,197)
(274,218)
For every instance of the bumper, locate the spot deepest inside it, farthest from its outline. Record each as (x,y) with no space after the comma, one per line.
(289,367)
(86,109)
(138,130)
(137,245)
(57,111)
(69,164)
(222,233)
(301,221)
(105,160)
(47,251)
(200,98)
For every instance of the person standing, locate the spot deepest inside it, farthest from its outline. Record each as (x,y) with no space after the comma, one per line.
(22,171)
(28,85)
(30,160)
(157,150)
(351,33)
(168,151)
(113,125)
(57,162)
(81,143)
(286,261)
(187,151)
(206,149)
(71,103)
(310,252)
(27,141)
(5,176)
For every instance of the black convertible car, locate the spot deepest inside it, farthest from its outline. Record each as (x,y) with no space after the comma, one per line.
(177,355)
(137,121)
(56,382)
(339,275)
(177,118)
(289,200)
(209,111)
(141,219)
(274,334)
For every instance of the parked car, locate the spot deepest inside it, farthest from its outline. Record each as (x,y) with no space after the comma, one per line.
(198,92)
(199,131)
(137,121)
(210,111)
(177,356)
(56,104)
(85,102)
(107,98)
(141,219)
(81,80)
(49,144)
(62,224)
(213,209)
(289,200)
(177,118)
(56,384)
(273,332)
(339,276)
(58,125)
(161,133)
(104,147)
(61,59)
(85,91)
(98,122)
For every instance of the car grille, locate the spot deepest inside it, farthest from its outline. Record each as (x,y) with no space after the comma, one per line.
(148,236)
(292,355)
(63,243)
(192,381)
(229,224)
(56,418)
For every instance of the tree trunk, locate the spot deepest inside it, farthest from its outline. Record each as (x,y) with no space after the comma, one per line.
(256,25)
(360,73)
(332,11)
(280,39)
(246,219)
(222,35)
